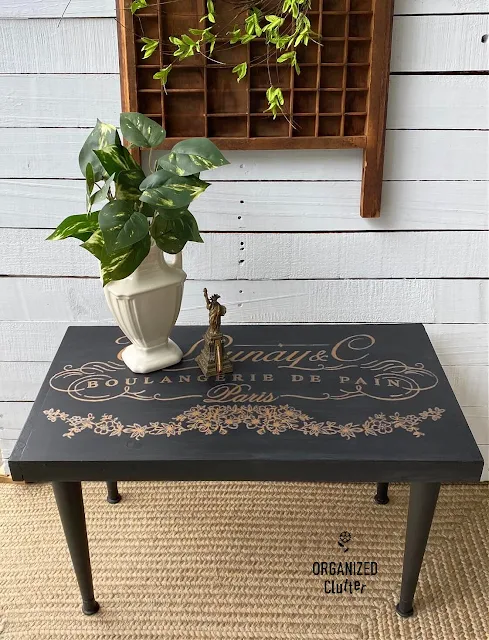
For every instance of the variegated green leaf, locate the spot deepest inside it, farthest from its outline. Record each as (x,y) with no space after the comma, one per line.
(174,185)
(167,197)
(167,236)
(95,244)
(121,225)
(125,188)
(147,210)
(194,228)
(187,184)
(172,232)
(141,130)
(78,226)
(128,174)
(102,135)
(90,178)
(116,159)
(192,156)
(168,164)
(120,264)
(156,179)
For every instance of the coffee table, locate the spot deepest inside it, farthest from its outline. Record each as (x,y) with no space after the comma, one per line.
(316,403)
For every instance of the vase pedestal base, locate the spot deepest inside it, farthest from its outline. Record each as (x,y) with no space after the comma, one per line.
(140,360)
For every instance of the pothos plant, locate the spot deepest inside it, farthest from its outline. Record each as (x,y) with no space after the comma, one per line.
(283,24)
(127,210)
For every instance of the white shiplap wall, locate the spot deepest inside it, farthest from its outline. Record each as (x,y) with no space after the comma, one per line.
(425,259)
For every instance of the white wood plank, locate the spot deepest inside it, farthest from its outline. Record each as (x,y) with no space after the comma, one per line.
(478,419)
(440,43)
(455,344)
(469,384)
(86,45)
(57,8)
(460,344)
(67,100)
(289,206)
(106,8)
(410,155)
(436,155)
(420,43)
(415,7)
(276,256)
(430,301)
(39,203)
(261,257)
(49,153)
(433,205)
(12,418)
(6,447)
(361,255)
(21,381)
(438,102)
(5,453)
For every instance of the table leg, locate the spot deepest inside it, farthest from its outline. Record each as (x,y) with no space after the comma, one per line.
(422,503)
(381,496)
(69,499)
(113,495)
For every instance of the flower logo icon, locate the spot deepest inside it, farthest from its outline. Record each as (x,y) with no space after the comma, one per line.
(343,539)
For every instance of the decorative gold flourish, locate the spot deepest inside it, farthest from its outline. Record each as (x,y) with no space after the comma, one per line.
(209,419)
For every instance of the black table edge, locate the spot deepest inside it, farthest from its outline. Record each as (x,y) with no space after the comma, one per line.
(248,470)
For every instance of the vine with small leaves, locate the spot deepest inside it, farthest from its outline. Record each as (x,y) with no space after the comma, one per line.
(283,24)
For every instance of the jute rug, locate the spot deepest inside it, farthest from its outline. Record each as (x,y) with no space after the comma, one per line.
(202,561)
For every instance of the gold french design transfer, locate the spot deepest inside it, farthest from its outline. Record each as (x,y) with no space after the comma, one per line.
(347,370)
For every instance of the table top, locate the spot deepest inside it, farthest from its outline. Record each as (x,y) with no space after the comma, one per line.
(306,402)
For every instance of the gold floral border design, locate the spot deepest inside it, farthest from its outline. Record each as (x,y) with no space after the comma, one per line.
(274,419)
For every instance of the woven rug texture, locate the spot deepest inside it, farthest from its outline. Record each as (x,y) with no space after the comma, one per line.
(234,561)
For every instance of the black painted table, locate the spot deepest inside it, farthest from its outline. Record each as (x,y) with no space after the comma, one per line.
(342,403)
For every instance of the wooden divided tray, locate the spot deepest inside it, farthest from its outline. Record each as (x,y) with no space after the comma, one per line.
(338,101)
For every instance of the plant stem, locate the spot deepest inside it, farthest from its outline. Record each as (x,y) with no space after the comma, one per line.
(149,161)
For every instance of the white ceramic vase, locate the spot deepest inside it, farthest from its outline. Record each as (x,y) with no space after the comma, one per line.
(146,305)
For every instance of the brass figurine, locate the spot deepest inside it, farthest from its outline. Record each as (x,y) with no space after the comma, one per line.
(213,358)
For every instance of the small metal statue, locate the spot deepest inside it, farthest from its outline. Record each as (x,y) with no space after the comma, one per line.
(213,358)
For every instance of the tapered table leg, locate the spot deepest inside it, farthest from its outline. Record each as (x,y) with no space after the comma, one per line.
(381,496)
(422,503)
(113,495)
(69,499)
